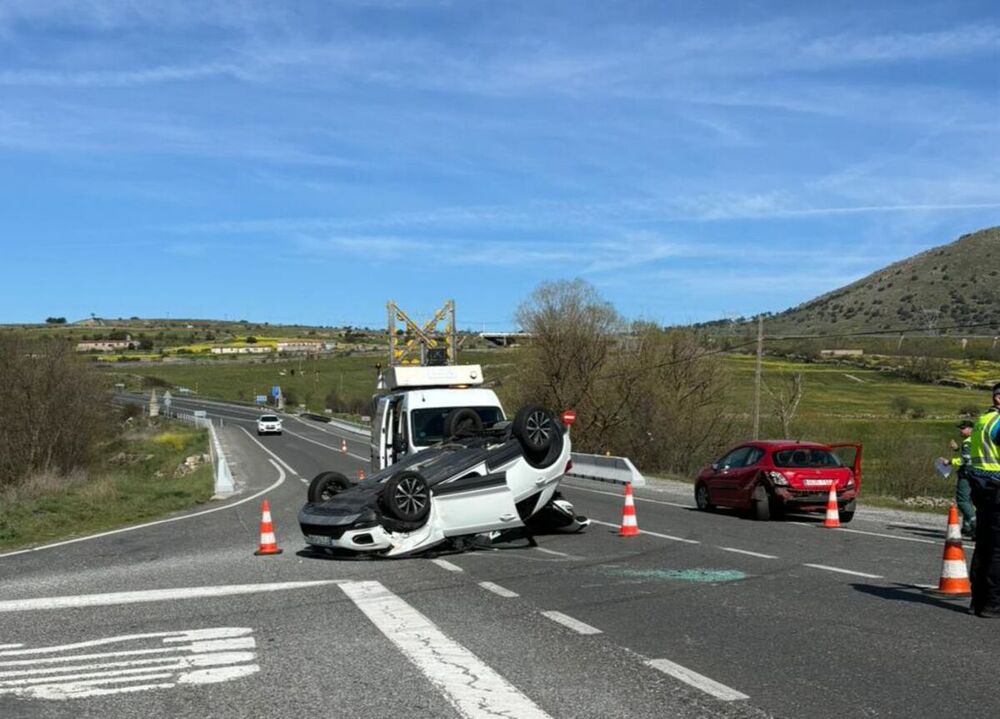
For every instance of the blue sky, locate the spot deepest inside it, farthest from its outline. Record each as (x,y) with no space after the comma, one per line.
(306,161)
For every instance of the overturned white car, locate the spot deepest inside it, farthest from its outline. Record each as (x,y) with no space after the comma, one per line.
(479,480)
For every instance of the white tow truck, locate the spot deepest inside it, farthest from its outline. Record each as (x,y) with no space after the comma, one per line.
(417,407)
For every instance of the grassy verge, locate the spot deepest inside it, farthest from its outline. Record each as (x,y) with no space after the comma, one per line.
(139,480)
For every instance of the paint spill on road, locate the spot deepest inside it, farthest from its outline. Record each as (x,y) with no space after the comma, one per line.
(706,576)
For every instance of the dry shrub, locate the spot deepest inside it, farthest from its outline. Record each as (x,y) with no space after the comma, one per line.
(40,484)
(53,410)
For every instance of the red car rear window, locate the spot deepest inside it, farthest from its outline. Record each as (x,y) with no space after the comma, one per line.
(802,457)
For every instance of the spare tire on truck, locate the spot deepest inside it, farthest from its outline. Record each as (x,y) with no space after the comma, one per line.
(462,422)
(326,485)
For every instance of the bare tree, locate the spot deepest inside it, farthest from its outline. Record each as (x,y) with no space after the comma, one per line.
(786,394)
(653,395)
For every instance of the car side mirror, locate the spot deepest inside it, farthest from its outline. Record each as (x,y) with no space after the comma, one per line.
(715,466)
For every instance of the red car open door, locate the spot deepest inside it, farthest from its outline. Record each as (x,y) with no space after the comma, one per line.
(854,462)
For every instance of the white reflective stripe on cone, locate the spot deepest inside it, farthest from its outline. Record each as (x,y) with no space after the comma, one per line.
(629,521)
(954,533)
(266,517)
(954,569)
(268,538)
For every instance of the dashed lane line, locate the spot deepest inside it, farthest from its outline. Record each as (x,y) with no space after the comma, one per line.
(152,595)
(445,564)
(567,621)
(498,590)
(844,571)
(652,534)
(280,461)
(472,687)
(551,551)
(281,479)
(696,680)
(748,552)
(335,450)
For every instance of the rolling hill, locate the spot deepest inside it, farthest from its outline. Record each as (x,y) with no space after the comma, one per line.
(946,286)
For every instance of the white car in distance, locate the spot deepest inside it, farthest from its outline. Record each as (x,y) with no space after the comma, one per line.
(268,424)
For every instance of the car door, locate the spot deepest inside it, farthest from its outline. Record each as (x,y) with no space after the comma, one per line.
(476,503)
(853,462)
(725,478)
(744,477)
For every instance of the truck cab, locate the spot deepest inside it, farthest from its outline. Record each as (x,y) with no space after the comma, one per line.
(413,402)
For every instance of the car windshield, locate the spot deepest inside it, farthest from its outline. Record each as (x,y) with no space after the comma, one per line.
(428,424)
(802,457)
(268,418)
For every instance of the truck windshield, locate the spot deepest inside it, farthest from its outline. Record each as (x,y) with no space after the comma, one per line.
(428,424)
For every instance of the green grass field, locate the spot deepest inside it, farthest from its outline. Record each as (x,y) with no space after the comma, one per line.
(125,490)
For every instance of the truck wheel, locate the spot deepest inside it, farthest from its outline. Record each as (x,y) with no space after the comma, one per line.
(535,427)
(462,422)
(407,497)
(326,485)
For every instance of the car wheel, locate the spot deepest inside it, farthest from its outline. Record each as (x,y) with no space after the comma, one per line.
(846,516)
(701,497)
(462,422)
(407,497)
(326,485)
(535,427)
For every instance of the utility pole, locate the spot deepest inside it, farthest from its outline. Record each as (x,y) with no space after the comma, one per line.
(757,377)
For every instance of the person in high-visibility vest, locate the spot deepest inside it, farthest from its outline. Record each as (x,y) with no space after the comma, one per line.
(984,477)
(963,490)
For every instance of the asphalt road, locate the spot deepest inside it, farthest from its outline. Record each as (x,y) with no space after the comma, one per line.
(702,615)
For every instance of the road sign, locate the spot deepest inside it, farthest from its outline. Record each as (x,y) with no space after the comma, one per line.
(167,399)
(262,399)
(275,391)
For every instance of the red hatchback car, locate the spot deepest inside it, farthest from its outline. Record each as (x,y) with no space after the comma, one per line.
(766,477)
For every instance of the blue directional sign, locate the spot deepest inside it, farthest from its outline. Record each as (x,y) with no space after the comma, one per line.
(275,391)
(262,399)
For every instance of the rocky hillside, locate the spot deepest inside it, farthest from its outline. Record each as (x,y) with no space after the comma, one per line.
(954,284)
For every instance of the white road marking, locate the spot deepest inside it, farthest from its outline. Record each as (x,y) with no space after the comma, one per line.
(470,686)
(281,479)
(152,595)
(652,534)
(10,646)
(282,462)
(199,656)
(335,450)
(551,551)
(696,680)
(445,564)
(843,571)
(747,552)
(637,498)
(567,621)
(872,534)
(498,590)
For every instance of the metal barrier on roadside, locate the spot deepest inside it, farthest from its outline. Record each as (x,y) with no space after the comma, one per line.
(617,470)
(224,485)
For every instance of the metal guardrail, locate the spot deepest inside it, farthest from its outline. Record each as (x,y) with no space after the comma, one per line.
(603,468)
(224,485)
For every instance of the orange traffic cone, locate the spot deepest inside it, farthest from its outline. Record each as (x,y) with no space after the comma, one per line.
(268,544)
(954,575)
(630,527)
(343,446)
(361,474)
(832,513)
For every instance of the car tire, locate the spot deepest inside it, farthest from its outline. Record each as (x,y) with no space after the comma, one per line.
(462,422)
(407,497)
(702,498)
(326,485)
(535,428)
(846,516)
